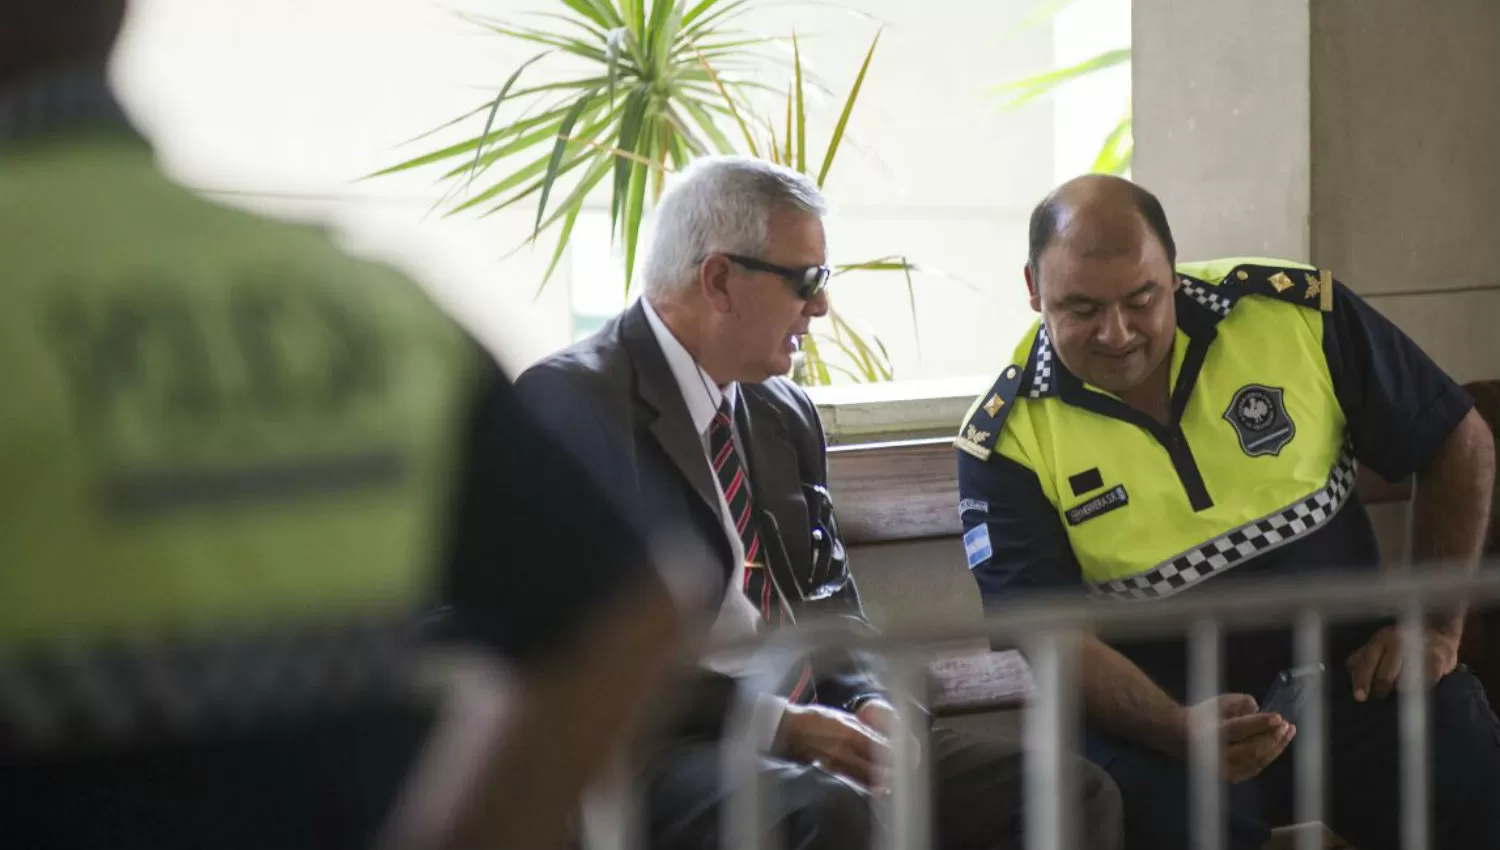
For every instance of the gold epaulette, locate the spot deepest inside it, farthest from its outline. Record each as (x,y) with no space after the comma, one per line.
(981,428)
(1311,288)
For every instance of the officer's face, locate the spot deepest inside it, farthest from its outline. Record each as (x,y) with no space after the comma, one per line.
(763,320)
(1111,319)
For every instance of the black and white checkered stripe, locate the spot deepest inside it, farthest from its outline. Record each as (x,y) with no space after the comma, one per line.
(1208,296)
(1041,374)
(122,693)
(1242,544)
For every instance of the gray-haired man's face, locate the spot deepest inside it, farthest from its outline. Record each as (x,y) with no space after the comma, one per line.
(766,320)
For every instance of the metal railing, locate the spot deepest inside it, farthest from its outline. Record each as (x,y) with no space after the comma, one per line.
(1048,632)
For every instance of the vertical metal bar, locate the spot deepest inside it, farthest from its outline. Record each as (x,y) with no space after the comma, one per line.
(1205,779)
(1415,834)
(742,826)
(908,809)
(1312,728)
(612,809)
(1050,723)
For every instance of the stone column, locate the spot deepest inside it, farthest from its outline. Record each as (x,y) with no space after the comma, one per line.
(1360,135)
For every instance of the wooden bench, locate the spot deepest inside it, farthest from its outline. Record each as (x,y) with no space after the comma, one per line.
(907,490)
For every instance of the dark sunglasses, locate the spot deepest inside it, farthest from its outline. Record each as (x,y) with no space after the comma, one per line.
(806,282)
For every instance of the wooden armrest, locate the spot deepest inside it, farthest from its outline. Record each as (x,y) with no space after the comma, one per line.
(979,681)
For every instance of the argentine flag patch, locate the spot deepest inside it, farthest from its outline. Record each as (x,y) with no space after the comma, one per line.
(977,545)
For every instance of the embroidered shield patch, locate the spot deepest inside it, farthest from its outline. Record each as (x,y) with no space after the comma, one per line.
(1258,415)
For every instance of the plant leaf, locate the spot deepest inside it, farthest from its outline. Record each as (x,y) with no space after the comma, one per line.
(870,363)
(1043,12)
(720,142)
(515,179)
(911,303)
(596,31)
(700,8)
(814,362)
(490,120)
(801,107)
(838,129)
(577,47)
(634,12)
(590,11)
(610,13)
(719,15)
(558,149)
(550,131)
(630,130)
(787,156)
(1118,150)
(733,108)
(725,48)
(633,208)
(612,44)
(513,147)
(849,341)
(662,31)
(1022,91)
(573,205)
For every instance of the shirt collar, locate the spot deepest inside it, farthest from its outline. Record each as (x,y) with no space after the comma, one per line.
(699,391)
(65,101)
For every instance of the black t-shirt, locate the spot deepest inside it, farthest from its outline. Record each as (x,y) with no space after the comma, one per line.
(535,548)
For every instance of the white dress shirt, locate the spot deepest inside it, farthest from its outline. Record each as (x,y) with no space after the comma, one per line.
(738,617)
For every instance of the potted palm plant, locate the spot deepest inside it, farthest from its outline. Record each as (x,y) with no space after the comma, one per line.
(656,84)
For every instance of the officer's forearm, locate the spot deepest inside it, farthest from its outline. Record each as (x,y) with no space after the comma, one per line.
(1121,699)
(1452,505)
(512,780)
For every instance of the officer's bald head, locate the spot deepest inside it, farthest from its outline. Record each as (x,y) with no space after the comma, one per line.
(1097,217)
(42,35)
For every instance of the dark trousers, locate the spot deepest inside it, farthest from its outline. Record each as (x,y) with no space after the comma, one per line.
(1362,799)
(977,803)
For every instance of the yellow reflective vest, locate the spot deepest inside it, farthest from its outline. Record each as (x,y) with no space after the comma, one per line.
(211,424)
(1257,458)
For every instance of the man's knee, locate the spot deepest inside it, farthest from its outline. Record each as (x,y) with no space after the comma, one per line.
(1466,758)
(1464,725)
(1153,794)
(827,813)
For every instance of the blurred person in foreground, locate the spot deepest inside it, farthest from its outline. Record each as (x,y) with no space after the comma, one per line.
(691,375)
(1167,427)
(235,466)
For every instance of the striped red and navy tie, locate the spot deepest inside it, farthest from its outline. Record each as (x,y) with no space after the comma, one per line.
(735,484)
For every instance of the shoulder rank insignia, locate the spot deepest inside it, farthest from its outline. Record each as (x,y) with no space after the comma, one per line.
(1308,287)
(982,428)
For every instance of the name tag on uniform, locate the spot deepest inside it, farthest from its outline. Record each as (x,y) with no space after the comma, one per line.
(1115,497)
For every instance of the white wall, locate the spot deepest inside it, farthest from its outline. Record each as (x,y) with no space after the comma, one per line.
(281,104)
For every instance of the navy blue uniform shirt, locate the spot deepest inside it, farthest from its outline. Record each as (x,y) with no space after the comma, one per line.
(1400,408)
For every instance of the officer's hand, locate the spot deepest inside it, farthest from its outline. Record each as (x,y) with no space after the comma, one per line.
(836,742)
(1376,666)
(1250,738)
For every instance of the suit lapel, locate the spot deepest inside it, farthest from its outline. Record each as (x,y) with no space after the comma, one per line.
(776,479)
(671,425)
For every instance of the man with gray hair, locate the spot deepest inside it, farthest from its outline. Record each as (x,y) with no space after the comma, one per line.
(680,407)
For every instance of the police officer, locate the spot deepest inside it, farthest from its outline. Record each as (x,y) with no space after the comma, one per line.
(1161,429)
(234,466)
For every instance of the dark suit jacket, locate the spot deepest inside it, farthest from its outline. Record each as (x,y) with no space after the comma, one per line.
(615,402)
